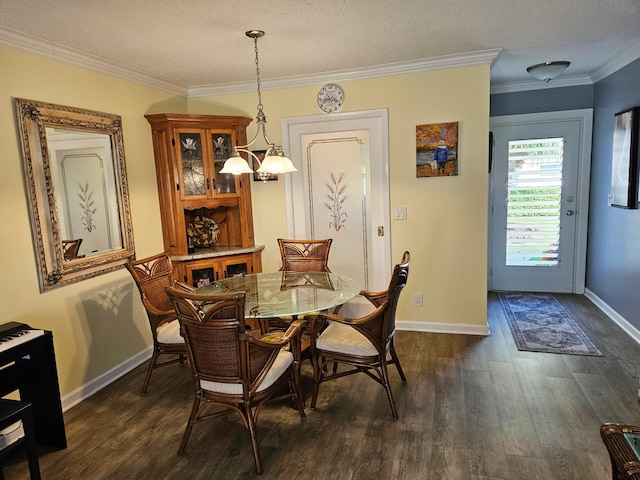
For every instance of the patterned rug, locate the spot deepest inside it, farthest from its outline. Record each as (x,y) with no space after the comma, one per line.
(539,323)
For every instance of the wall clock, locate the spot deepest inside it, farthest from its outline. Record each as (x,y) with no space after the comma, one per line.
(330,98)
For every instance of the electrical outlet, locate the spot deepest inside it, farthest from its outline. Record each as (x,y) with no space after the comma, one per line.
(417,299)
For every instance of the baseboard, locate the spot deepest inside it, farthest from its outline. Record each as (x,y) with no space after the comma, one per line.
(618,319)
(98,383)
(456,328)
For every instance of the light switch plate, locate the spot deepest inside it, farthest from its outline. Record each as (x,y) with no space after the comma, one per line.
(400,213)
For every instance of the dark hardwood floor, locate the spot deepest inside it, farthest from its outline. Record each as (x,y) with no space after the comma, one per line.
(473,408)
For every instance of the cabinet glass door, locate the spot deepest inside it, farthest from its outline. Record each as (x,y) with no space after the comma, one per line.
(235,269)
(203,276)
(194,176)
(222,144)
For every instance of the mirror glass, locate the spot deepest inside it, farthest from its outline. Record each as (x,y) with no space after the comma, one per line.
(78,197)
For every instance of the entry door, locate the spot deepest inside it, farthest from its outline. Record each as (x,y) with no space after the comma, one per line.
(341,190)
(538,231)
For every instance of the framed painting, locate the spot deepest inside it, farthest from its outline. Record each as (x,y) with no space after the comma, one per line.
(256,176)
(624,161)
(437,150)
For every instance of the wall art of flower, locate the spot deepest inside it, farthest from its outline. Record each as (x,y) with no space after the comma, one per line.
(336,197)
(87,205)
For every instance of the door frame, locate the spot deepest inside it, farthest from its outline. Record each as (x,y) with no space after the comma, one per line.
(376,121)
(585,118)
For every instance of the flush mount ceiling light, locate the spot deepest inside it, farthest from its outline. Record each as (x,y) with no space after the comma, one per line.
(548,70)
(274,159)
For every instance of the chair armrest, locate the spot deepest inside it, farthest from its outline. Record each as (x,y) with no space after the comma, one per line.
(291,333)
(376,298)
(291,337)
(183,286)
(317,320)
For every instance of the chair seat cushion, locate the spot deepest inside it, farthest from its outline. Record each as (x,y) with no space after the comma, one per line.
(169,332)
(280,365)
(11,434)
(341,338)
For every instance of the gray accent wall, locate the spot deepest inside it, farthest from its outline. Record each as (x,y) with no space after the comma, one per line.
(613,252)
(545,100)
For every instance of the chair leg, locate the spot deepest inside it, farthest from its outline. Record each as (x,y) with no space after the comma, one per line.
(147,379)
(254,439)
(296,394)
(396,360)
(317,378)
(387,387)
(192,420)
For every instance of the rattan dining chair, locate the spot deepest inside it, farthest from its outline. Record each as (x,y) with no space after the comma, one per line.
(232,369)
(305,255)
(70,248)
(152,275)
(363,344)
(299,256)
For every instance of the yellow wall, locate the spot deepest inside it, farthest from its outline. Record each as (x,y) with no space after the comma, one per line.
(100,323)
(446,229)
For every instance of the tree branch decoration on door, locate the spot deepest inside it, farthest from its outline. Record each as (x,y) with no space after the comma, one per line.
(87,206)
(336,197)
(437,150)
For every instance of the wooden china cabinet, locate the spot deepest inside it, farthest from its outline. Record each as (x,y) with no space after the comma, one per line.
(190,151)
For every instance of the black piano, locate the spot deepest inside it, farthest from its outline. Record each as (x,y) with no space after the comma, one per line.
(28,364)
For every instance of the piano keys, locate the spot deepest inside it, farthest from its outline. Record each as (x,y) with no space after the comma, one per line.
(28,365)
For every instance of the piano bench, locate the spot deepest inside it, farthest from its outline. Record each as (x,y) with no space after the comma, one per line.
(12,412)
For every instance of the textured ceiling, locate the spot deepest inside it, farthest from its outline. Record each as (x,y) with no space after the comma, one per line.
(190,43)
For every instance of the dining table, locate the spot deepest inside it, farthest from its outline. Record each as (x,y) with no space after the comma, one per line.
(287,294)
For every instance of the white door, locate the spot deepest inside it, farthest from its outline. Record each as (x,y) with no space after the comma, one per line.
(341,190)
(539,202)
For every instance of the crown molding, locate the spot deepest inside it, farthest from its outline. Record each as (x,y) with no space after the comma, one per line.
(526,85)
(615,64)
(447,61)
(58,52)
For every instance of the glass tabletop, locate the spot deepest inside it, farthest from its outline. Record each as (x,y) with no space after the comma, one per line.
(633,439)
(281,294)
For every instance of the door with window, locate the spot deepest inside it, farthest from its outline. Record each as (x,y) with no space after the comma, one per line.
(538,218)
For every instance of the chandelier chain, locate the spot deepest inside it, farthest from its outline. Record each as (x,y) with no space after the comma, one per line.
(255,41)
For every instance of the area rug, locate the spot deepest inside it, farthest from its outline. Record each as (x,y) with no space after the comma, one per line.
(539,323)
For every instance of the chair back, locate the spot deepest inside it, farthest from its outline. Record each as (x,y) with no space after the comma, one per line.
(396,285)
(70,248)
(305,255)
(152,275)
(381,332)
(218,347)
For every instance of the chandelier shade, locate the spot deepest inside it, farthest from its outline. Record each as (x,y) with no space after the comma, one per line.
(274,161)
(549,70)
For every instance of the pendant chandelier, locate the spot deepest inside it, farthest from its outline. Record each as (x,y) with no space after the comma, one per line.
(274,161)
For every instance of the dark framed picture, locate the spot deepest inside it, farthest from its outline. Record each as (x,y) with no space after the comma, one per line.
(437,150)
(624,161)
(256,176)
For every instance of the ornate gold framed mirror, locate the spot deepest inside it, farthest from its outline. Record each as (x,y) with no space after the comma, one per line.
(76,182)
